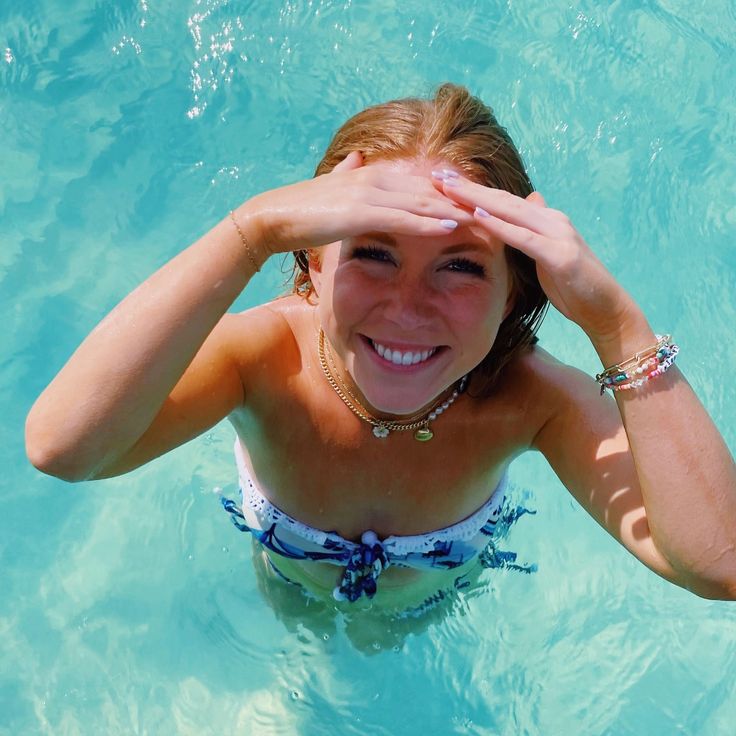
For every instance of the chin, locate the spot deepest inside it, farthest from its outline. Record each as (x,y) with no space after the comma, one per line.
(399,407)
(397,400)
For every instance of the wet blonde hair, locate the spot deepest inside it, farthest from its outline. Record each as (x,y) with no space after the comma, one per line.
(458,128)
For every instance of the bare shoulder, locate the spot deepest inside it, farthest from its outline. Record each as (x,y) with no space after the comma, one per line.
(539,364)
(265,339)
(539,372)
(574,414)
(546,387)
(263,328)
(553,375)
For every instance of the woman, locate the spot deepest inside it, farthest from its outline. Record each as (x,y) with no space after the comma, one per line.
(378,407)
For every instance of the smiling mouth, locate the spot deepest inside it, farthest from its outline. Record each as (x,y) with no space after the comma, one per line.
(402,357)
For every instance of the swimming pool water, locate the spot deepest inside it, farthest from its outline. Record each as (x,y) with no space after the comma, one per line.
(128,129)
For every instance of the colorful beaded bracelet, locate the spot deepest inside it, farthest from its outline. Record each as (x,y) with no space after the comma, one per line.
(641,367)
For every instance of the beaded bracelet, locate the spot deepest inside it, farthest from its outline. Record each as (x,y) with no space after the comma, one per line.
(634,372)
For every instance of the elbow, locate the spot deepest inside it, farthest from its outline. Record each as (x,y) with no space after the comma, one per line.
(722,590)
(49,458)
(50,464)
(727,592)
(724,594)
(713,579)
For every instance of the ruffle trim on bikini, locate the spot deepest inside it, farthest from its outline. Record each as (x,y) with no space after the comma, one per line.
(255,500)
(486,518)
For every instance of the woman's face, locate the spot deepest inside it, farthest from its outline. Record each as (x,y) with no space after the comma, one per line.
(408,316)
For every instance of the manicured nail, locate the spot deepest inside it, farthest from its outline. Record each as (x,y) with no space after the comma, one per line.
(449,172)
(481,212)
(439,175)
(449,224)
(448,181)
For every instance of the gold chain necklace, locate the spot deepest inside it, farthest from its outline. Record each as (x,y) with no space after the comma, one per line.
(343,385)
(383,427)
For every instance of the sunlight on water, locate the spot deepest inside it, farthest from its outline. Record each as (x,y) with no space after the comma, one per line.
(132,605)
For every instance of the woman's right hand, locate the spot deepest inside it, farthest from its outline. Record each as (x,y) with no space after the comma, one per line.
(351,200)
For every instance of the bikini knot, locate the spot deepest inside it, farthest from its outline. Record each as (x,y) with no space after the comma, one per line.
(366,562)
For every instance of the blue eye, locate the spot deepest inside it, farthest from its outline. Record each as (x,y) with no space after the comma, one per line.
(465,265)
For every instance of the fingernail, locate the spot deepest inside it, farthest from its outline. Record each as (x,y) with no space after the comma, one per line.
(450,182)
(449,224)
(439,175)
(450,173)
(481,212)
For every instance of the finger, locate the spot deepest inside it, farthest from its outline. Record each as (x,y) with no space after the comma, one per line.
(395,182)
(439,177)
(501,204)
(354,160)
(527,241)
(536,198)
(439,207)
(401,222)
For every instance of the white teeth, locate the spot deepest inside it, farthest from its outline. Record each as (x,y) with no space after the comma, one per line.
(398,358)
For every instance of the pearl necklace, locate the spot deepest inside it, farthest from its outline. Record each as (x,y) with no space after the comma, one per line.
(383,427)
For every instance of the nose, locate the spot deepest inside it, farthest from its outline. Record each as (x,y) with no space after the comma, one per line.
(411,303)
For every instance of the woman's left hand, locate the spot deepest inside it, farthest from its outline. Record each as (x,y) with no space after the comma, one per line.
(573,278)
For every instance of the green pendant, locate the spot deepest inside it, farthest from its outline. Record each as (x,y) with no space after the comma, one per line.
(423,434)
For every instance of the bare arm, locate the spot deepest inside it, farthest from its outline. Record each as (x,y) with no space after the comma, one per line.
(661,485)
(686,473)
(119,379)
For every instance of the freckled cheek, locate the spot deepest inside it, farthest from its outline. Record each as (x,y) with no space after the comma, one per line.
(353,297)
(468,306)
(475,320)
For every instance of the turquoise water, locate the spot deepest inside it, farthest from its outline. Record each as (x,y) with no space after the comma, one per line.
(130,606)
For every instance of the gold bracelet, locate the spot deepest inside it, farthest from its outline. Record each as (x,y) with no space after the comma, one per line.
(635,359)
(251,257)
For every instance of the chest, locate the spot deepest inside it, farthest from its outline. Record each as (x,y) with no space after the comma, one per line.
(322,464)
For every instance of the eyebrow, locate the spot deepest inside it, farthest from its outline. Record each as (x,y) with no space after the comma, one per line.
(386,239)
